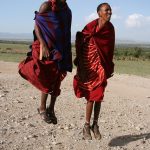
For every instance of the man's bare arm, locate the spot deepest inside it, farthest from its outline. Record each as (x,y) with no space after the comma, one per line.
(38,34)
(44,52)
(45,7)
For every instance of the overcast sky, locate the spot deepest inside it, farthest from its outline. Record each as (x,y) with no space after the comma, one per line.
(131,18)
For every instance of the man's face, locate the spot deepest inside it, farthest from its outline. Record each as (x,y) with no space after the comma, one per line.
(105,12)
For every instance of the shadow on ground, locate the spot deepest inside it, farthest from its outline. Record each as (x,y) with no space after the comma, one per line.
(124,140)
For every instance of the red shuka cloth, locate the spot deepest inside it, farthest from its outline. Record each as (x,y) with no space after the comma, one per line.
(44,74)
(94,48)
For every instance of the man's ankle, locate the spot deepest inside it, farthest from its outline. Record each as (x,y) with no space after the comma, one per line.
(87,123)
(95,122)
(42,109)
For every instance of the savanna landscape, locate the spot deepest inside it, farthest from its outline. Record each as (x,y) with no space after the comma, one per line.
(124,120)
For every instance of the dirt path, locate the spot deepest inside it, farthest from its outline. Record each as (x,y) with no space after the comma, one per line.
(124,121)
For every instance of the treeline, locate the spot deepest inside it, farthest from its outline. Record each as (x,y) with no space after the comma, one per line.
(132,53)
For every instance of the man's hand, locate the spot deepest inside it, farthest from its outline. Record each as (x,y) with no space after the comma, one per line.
(44,52)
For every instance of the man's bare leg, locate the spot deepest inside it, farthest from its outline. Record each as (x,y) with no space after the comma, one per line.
(51,109)
(95,127)
(52,104)
(42,109)
(97,107)
(86,129)
(89,108)
(43,102)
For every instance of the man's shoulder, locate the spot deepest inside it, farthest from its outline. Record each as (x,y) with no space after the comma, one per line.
(91,24)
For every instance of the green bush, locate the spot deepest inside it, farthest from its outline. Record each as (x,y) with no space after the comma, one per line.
(131,53)
(137,52)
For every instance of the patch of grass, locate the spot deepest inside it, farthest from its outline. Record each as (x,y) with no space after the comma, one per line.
(13,51)
(13,48)
(141,68)
(12,57)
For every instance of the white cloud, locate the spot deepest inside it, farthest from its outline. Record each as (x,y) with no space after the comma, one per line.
(137,20)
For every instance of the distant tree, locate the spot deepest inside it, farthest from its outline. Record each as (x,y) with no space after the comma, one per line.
(137,52)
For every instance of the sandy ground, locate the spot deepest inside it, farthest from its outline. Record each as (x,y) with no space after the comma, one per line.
(124,120)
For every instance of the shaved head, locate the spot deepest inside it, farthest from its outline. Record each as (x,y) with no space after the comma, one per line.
(101,5)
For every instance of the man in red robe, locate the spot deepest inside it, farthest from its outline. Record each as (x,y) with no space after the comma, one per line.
(94,61)
(51,54)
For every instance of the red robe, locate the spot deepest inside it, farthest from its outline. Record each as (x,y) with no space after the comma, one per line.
(94,48)
(44,74)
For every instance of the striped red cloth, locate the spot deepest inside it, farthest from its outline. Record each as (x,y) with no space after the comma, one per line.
(94,48)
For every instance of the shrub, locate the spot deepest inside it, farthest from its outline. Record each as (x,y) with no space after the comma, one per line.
(137,52)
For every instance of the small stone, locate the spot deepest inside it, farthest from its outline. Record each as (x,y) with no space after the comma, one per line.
(120,114)
(33,97)
(3,95)
(142,147)
(71,126)
(59,143)
(3,131)
(102,121)
(139,128)
(26,138)
(23,118)
(143,142)
(2,142)
(6,109)
(60,127)
(30,136)
(48,133)
(19,102)
(27,116)
(6,91)
(30,125)
(66,128)
(34,136)
(54,143)
(12,120)
(51,148)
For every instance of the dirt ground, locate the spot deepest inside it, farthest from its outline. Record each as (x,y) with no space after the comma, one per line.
(124,119)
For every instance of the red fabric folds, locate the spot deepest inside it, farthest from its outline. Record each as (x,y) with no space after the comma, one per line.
(105,42)
(94,48)
(44,74)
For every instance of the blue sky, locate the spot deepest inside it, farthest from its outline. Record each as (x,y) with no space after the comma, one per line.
(131,18)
